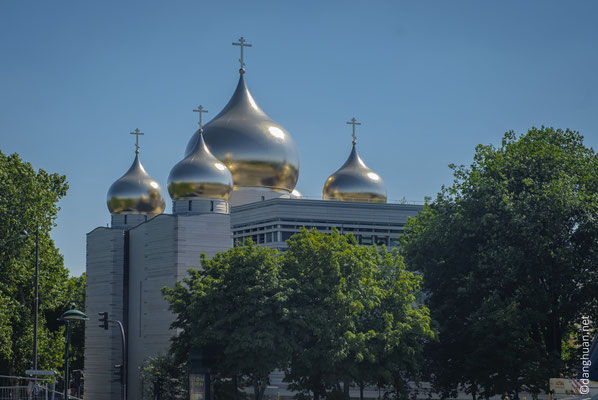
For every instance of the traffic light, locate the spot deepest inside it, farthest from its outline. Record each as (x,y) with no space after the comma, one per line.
(103,319)
(118,373)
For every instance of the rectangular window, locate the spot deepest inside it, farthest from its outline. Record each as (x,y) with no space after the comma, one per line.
(381,240)
(287,235)
(365,240)
(140,305)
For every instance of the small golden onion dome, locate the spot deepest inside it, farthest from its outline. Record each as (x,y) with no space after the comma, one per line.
(354,181)
(200,174)
(135,193)
(257,151)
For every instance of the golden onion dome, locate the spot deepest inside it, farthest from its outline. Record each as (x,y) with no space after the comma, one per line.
(257,151)
(200,174)
(135,193)
(354,181)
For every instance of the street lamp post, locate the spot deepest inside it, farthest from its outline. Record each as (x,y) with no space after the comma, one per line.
(68,317)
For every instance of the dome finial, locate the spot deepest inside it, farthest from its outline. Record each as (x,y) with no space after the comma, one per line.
(137,132)
(200,174)
(200,110)
(354,122)
(242,44)
(354,181)
(135,192)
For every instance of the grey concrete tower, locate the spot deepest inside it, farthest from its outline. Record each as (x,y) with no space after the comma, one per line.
(130,262)
(132,200)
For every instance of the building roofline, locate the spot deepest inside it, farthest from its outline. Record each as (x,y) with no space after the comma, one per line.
(329,203)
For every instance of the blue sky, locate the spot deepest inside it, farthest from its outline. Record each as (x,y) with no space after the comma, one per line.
(429,80)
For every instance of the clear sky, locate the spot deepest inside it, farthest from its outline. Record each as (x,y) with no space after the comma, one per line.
(429,80)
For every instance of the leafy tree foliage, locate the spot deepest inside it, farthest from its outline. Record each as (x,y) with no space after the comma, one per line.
(329,312)
(232,310)
(353,315)
(170,376)
(28,200)
(509,255)
(74,295)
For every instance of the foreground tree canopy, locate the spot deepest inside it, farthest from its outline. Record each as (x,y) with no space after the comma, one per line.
(509,255)
(28,200)
(328,312)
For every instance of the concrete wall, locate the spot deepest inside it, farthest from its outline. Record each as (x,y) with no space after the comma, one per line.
(161,252)
(277,219)
(105,274)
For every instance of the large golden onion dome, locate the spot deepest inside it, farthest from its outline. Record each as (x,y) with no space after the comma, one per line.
(257,151)
(200,174)
(354,181)
(135,193)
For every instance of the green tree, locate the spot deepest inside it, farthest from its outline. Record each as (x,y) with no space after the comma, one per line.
(354,318)
(509,258)
(74,294)
(170,376)
(28,199)
(233,311)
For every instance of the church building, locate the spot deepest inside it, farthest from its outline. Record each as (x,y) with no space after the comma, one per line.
(237,180)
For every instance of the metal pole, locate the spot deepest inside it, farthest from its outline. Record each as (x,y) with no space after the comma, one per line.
(36,298)
(124,356)
(66,360)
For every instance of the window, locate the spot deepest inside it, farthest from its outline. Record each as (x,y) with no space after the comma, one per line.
(381,240)
(287,235)
(365,240)
(140,305)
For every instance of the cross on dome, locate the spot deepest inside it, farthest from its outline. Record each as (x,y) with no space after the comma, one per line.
(137,132)
(200,110)
(242,44)
(354,122)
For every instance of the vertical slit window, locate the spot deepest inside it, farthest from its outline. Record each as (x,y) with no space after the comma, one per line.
(140,305)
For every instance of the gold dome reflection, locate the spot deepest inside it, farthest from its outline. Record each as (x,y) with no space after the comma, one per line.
(135,193)
(200,174)
(257,151)
(354,181)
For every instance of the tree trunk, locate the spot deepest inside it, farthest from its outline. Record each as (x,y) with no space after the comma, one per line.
(316,394)
(346,387)
(361,391)
(235,388)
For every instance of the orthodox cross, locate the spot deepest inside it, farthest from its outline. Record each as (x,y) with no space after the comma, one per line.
(137,132)
(200,110)
(242,44)
(354,122)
